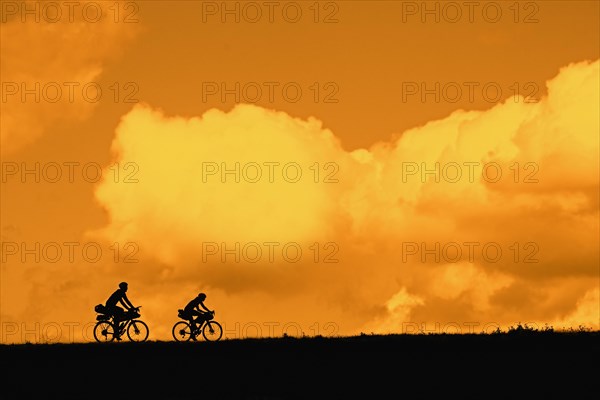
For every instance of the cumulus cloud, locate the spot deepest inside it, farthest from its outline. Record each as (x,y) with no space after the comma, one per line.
(409,243)
(413,246)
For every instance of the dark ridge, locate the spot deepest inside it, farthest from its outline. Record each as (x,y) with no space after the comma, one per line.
(468,366)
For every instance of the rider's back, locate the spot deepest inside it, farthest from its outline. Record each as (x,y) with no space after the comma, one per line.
(192,305)
(115,298)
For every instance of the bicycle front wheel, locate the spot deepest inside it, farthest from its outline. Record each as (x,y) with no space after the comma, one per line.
(212,331)
(182,331)
(104,331)
(137,331)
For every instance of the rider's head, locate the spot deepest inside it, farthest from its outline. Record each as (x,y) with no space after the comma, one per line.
(123,285)
(202,296)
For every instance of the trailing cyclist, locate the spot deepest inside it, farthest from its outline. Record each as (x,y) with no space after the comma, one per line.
(196,308)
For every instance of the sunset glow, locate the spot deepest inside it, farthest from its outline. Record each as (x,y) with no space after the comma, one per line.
(361,167)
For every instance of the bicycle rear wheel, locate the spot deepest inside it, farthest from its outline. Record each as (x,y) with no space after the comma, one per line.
(182,331)
(138,331)
(104,331)
(213,331)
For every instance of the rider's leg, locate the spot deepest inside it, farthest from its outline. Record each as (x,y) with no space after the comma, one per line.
(119,317)
(199,321)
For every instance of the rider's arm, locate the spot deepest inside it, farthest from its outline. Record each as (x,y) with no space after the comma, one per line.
(126,303)
(204,307)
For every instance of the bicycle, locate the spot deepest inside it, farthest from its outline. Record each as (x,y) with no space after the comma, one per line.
(136,329)
(210,329)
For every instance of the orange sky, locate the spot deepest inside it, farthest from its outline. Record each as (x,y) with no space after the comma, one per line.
(337,123)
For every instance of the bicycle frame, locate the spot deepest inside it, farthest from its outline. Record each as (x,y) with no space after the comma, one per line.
(201,326)
(125,325)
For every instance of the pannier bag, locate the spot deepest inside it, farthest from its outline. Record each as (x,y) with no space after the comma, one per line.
(100,309)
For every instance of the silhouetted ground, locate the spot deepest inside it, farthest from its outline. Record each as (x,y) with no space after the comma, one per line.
(477,366)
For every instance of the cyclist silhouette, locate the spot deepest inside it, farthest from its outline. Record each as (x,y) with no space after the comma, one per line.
(117,312)
(192,309)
